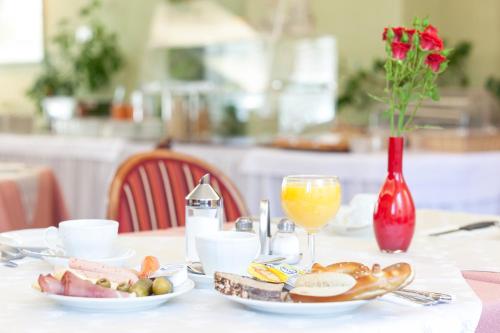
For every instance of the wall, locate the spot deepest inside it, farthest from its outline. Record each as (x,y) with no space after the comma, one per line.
(476,21)
(357,24)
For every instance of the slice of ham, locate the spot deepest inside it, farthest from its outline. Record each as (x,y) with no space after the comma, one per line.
(50,284)
(94,270)
(74,286)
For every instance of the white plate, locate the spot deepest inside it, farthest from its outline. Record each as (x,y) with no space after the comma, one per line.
(100,305)
(307,309)
(202,281)
(27,238)
(119,258)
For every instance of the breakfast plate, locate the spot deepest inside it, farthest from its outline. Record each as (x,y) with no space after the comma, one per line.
(110,305)
(307,309)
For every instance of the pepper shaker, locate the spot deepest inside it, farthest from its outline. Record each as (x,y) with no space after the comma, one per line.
(244,224)
(285,242)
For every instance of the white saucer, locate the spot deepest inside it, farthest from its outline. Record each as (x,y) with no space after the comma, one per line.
(119,258)
(202,281)
(29,239)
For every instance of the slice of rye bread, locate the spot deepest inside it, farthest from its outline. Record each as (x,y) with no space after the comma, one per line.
(245,287)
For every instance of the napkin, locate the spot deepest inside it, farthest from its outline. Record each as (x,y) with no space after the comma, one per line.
(487,286)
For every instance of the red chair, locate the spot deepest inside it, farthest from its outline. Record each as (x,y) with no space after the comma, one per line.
(149,189)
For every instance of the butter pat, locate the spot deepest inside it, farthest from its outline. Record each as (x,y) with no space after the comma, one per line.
(176,273)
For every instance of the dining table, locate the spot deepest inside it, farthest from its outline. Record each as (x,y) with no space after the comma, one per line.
(464,264)
(30,197)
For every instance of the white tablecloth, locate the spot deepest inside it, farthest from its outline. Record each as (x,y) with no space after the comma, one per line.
(25,310)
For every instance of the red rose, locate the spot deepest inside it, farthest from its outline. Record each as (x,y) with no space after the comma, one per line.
(434,61)
(398,33)
(410,33)
(431,29)
(429,41)
(399,50)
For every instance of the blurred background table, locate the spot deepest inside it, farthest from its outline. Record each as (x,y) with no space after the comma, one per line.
(30,197)
(85,166)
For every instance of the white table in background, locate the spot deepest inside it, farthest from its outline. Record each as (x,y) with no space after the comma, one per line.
(84,168)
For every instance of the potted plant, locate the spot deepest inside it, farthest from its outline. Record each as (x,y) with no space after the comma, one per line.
(82,65)
(415,58)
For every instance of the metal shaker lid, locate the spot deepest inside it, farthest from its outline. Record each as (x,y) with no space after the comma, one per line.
(203,195)
(244,223)
(285,225)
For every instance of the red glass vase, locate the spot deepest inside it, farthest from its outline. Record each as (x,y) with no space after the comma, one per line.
(394,215)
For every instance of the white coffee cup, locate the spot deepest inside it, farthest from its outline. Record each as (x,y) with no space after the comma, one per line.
(361,210)
(86,239)
(227,251)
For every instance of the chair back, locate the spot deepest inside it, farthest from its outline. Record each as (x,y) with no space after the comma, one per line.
(149,189)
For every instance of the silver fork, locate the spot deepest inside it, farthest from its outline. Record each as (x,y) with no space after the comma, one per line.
(423,297)
(7,257)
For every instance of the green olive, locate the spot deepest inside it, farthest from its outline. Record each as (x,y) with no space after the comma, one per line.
(103,283)
(142,287)
(124,286)
(162,285)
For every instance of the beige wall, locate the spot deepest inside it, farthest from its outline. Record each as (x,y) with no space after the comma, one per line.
(357,24)
(476,21)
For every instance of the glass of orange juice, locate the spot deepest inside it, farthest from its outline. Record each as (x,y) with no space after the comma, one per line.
(311,201)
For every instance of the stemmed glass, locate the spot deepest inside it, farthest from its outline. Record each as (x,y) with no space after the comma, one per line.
(311,201)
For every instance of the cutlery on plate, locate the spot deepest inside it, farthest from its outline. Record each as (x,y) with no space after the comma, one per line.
(8,262)
(195,268)
(468,227)
(445,298)
(418,299)
(8,257)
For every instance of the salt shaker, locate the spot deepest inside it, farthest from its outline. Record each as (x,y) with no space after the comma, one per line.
(285,242)
(203,215)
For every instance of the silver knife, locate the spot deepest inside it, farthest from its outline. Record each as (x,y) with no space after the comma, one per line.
(468,227)
(264,227)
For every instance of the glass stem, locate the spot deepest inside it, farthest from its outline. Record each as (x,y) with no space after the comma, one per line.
(312,249)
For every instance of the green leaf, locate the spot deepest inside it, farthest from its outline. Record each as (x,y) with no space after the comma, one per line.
(431,127)
(416,22)
(434,94)
(443,67)
(447,52)
(378,99)
(425,22)
(404,38)
(390,34)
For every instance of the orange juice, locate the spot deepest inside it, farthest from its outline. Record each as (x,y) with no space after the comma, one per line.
(311,204)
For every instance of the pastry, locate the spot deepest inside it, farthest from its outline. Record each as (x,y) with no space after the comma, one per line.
(368,284)
(320,287)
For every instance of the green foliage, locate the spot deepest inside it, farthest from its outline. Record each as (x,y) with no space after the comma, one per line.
(87,58)
(357,84)
(186,64)
(493,85)
(456,75)
(50,82)
(231,125)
